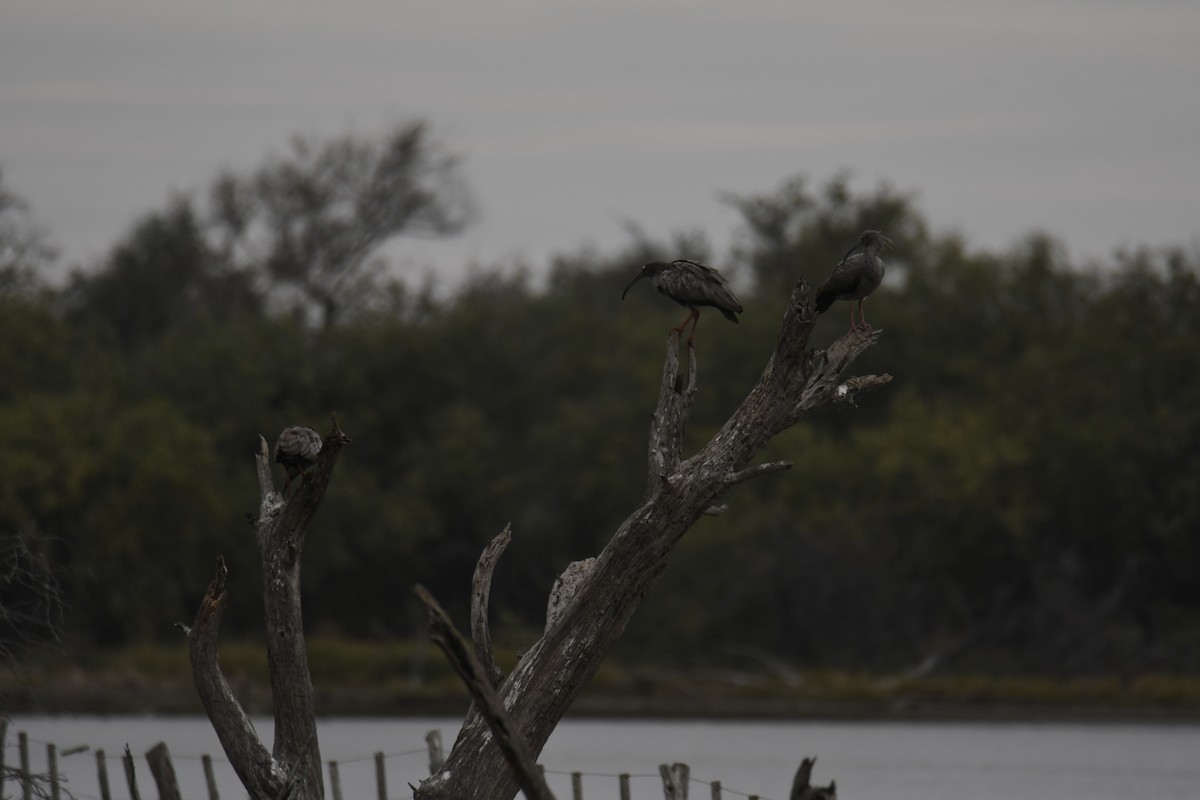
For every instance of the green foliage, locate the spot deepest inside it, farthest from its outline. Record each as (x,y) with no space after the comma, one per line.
(164,275)
(1023,496)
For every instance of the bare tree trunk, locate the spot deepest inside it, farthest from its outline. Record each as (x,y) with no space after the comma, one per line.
(552,673)
(293,768)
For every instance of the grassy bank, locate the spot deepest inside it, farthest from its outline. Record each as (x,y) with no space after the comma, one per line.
(412,678)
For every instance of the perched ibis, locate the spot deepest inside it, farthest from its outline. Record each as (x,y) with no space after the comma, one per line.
(297,450)
(692,285)
(855,277)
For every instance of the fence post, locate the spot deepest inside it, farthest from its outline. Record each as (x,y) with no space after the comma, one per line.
(52,770)
(102,776)
(335,781)
(675,781)
(624,779)
(380,777)
(716,790)
(209,777)
(434,740)
(26,778)
(577,786)
(130,774)
(163,771)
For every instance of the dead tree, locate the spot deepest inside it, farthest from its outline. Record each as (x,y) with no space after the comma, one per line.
(588,608)
(292,769)
(592,602)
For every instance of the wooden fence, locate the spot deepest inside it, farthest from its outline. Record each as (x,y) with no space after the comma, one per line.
(676,778)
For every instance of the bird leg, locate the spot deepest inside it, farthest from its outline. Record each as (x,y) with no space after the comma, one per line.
(692,317)
(854,324)
(691,340)
(866,326)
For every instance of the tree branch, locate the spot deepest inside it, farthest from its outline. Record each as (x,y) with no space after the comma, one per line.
(249,757)
(481,590)
(756,471)
(847,392)
(293,768)
(555,669)
(506,734)
(663,455)
(281,541)
(803,790)
(822,385)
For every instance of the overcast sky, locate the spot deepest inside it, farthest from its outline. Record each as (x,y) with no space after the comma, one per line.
(1078,117)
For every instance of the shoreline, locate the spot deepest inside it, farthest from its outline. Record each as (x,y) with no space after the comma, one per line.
(173,701)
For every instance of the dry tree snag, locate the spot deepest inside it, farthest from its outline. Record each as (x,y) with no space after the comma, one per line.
(292,768)
(480,684)
(593,603)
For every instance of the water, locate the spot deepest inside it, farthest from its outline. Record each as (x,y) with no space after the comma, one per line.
(896,761)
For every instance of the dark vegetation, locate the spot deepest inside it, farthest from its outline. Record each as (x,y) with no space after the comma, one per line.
(1025,497)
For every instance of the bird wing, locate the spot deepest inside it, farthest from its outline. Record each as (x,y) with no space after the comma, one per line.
(703,285)
(298,441)
(842,283)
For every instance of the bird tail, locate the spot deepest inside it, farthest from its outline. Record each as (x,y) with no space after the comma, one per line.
(729,315)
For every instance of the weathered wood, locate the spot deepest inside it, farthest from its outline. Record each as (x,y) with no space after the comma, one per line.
(26,775)
(481,590)
(508,739)
(675,780)
(335,780)
(380,777)
(433,740)
(293,767)
(802,788)
(52,770)
(564,589)
(102,776)
(130,775)
(796,382)
(577,786)
(3,736)
(159,759)
(716,790)
(210,779)
(623,783)
(247,754)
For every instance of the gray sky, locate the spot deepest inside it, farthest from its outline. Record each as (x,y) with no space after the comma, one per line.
(1078,117)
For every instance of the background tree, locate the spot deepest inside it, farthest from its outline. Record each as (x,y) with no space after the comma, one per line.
(311,222)
(163,276)
(1031,471)
(25,248)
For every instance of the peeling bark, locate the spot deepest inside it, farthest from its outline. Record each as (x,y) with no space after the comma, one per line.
(796,382)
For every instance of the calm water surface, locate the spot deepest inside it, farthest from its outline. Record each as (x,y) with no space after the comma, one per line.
(896,761)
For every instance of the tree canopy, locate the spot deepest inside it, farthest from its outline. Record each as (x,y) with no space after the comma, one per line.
(1028,485)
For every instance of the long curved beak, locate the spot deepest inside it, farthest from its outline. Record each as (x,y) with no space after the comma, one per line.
(640,275)
(850,251)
